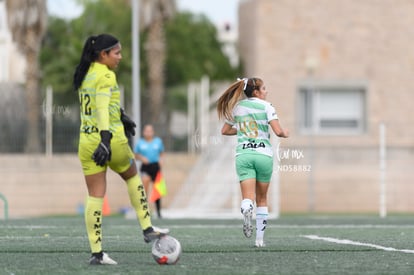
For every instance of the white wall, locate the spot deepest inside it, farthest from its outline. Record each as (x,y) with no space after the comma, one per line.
(12,63)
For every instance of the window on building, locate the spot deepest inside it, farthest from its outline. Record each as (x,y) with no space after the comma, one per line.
(332,108)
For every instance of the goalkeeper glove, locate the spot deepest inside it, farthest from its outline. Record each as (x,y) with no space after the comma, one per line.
(129,125)
(103,153)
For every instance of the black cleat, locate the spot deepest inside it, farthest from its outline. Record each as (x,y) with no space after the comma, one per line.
(101,258)
(153,233)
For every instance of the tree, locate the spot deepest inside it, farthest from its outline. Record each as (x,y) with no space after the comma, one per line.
(191,51)
(27,20)
(64,40)
(155,14)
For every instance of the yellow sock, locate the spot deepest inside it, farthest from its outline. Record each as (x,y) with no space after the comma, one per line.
(139,201)
(93,222)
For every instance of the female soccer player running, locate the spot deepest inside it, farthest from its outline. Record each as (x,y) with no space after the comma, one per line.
(103,142)
(249,116)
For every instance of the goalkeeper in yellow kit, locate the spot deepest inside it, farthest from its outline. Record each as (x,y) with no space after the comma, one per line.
(103,140)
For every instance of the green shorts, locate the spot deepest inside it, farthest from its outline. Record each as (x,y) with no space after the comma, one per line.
(254,166)
(121,159)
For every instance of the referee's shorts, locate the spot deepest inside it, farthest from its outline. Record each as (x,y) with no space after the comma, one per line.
(150,169)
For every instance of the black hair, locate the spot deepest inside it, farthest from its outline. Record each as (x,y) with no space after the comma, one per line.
(250,86)
(90,53)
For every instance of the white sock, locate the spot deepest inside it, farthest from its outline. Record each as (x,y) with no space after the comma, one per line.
(246,204)
(261,221)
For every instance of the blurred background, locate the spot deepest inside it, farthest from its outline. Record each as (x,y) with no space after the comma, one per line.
(338,73)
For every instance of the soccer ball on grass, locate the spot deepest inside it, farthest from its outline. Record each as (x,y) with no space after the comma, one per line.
(166,250)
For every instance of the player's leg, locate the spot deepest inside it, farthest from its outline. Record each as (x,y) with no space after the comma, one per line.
(153,171)
(124,164)
(247,205)
(146,181)
(264,167)
(158,208)
(96,185)
(261,212)
(137,195)
(139,202)
(247,177)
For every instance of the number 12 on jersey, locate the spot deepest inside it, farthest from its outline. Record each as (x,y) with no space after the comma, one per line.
(85,101)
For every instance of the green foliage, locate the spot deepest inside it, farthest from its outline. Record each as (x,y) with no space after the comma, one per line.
(64,40)
(192,50)
(177,97)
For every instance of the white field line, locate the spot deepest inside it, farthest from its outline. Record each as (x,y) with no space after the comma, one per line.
(30,227)
(349,242)
(280,226)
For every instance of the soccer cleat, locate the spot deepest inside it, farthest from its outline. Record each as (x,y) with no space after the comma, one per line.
(247,222)
(161,230)
(259,243)
(153,233)
(101,258)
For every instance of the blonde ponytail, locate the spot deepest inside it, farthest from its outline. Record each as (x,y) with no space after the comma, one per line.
(229,99)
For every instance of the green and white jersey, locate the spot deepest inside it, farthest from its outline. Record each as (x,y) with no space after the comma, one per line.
(251,118)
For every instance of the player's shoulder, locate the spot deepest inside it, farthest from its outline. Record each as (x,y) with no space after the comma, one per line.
(266,104)
(138,144)
(103,72)
(141,141)
(107,75)
(261,102)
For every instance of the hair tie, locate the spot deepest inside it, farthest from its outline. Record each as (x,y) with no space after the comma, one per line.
(245,80)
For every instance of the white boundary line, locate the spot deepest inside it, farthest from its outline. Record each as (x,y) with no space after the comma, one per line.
(344,241)
(234,225)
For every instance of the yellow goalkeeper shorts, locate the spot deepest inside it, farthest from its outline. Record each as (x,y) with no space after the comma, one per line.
(121,159)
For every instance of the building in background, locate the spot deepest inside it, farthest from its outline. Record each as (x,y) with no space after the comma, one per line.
(227,34)
(336,70)
(12,62)
(12,78)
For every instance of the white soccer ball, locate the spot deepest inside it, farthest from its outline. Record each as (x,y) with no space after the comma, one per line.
(166,250)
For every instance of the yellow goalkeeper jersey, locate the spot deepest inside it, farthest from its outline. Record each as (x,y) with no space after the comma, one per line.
(99,97)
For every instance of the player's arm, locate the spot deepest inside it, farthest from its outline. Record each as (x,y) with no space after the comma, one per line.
(103,97)
(228,130)
(129,124)
(141,158)
(103,153)
(274,122)
(277,129)
(138,154)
